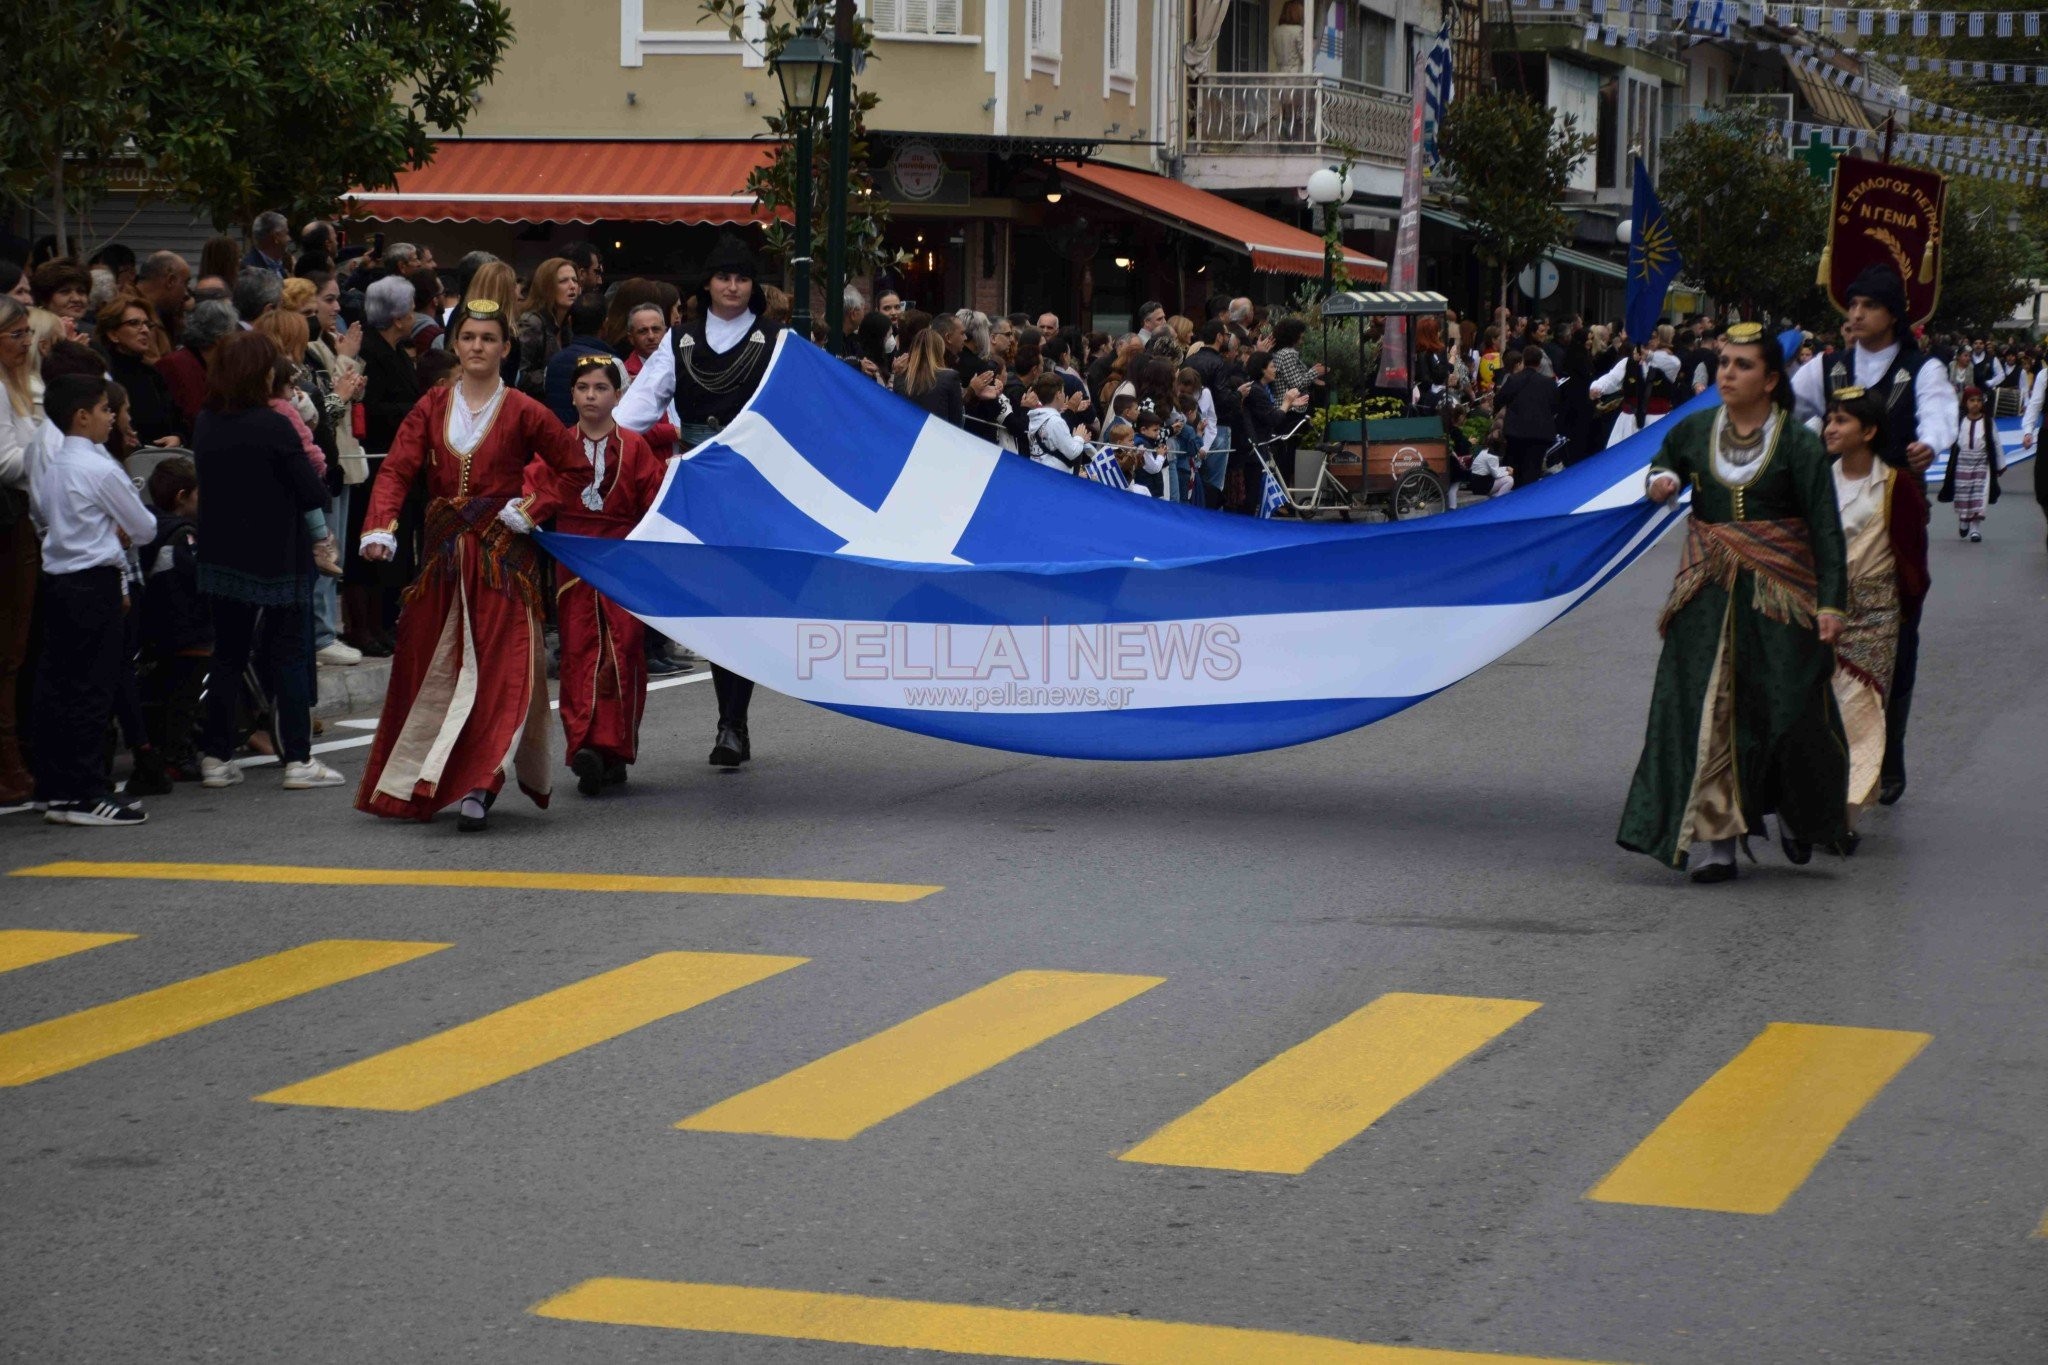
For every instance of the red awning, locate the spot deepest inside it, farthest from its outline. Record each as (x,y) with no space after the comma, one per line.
(1271,244)
(484,180)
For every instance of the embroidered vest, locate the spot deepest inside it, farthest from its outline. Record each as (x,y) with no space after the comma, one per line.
(1901,405)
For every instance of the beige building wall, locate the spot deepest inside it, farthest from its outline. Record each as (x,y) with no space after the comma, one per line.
(657,68)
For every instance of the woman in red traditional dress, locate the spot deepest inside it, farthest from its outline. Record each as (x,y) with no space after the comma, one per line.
(468,698)
(604,657)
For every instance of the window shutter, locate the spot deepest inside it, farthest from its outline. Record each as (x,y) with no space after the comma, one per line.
(886,15)
(945,16)
(1119,54)
(917,16)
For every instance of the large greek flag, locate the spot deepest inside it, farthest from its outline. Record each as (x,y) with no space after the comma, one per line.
(838,544)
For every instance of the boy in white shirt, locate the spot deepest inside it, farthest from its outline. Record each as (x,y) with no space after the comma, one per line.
(85,505)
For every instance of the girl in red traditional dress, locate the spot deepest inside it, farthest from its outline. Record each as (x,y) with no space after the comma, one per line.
(604,658)
(468,698)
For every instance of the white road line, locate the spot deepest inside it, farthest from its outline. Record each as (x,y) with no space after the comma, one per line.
(360,741)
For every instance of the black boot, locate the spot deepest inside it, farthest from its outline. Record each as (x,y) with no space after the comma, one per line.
(731,750)
(588,765)
(150,777)
(1890,790)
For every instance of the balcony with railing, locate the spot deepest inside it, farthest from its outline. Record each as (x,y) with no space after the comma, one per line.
(1290,114)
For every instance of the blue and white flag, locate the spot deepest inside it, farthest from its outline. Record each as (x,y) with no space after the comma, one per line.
(1329,55)
(1103,468)
(1272,498)
(836,543)
(1703,17)
(1437,90)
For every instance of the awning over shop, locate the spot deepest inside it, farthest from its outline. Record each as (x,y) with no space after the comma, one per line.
(1828,103)
(1272,245)
(504,180)
(1557,255)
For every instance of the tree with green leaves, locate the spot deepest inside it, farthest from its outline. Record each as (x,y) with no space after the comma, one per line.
(290,106)
(1984,262)
(1511,158)
(237,106)
(69,101)
(1748,220)
(774,184)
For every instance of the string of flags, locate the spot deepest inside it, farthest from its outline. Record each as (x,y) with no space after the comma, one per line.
(1826,18)
(1951,155)
(1877,91)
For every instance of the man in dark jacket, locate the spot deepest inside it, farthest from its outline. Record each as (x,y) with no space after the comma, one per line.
(1526,403)
(586,320)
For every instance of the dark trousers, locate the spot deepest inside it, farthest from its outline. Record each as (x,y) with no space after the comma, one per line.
(76,678)
(21,559)
(171,693)
(287,667)
(735,694)
(1900,702)
(1525,457)
(127,692)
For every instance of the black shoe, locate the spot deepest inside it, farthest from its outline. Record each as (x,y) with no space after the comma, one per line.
(1850,843)
(588,765)
(661,666)
(614,773)
(1797,851)
(151,777)
(1890,790)
(473,824)
(106,811)
(1714,872)
(731,750)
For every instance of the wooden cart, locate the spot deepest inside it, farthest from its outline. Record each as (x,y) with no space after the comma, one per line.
(1401,466)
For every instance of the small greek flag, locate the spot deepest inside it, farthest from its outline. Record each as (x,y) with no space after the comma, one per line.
(1272,498)
(1702,17)
(1103,468)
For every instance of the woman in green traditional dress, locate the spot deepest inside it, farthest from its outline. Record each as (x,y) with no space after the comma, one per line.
(1743,721)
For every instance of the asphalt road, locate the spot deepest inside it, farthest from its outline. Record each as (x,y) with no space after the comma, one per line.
(152,1210)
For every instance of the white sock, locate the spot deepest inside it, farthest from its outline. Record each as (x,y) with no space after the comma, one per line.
(1707,852)
(473,804)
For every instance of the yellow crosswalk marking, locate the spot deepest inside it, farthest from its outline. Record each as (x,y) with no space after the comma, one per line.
(1749,1137)
(264,874)
(27,947)
(852,1090)
(533,1032)
(57,1045)
(1315,1097)
(970,1330)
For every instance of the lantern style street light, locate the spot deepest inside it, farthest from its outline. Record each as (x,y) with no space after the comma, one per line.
(804,69)
(1328,188)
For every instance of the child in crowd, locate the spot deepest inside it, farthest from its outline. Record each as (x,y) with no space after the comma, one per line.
(1186,440)
(435,370)
(177,628)
(1974,463)
(284,402)
(1119,430)
(85,503)
(1144,459)
(1048,438)
(148,776)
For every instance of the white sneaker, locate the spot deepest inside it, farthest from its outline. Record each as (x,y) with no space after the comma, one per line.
(339,655)
(311,773)
(214,772)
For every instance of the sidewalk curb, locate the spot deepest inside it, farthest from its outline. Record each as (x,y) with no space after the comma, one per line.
(355,687)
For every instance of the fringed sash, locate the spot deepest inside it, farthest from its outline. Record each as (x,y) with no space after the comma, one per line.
(1868,648)
(1777,554)
(510,563)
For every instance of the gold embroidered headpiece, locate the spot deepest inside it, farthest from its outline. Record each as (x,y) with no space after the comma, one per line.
(593,360)
(1849,395)
(1744,333)
(481,308)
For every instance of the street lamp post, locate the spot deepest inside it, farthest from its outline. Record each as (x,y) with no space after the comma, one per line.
(840,159)
(1328,188)
(804,69)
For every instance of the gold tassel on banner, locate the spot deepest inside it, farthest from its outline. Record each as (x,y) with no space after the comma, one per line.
(1826,255)
(1927,259)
